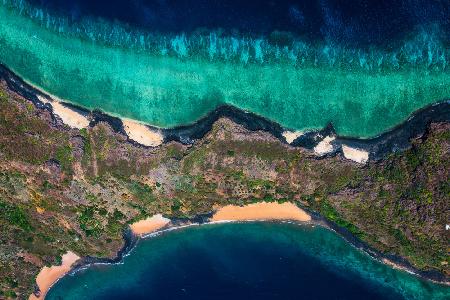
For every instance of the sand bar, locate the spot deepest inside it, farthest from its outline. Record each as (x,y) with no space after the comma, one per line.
(142,134)
(49,275)
(261,211)
(357,155)
(149,225)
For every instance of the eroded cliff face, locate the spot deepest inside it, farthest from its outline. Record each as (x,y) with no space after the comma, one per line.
(67,189)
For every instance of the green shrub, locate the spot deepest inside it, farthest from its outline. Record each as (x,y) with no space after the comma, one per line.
(64,156)
(10,294)
(15,215)
(141,191)
(331,214)
(88,223)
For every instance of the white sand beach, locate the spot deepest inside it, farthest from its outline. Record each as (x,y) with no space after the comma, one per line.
(136,131)
(357,155)
(142,134)
(291,136)
(69,116)
(324,146)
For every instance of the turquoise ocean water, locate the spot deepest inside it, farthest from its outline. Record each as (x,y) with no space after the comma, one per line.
(173,78)
(246,261)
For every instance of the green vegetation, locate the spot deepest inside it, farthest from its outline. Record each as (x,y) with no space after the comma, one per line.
(64,156)
(15,215)
(88,221)
(3,96)
(331,214)
(87,147)
(141,191)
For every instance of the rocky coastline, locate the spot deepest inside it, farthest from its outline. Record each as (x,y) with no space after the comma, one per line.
(394,140)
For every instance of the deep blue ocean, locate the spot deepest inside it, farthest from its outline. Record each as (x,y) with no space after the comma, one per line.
(356,22)
(246,261)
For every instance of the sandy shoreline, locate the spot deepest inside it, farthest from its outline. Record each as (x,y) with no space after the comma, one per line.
(324,146)
(50,275)
(149,225)
(354,148)
(291,136)
(142,134)
(252,212)
(69,116)
(137,131)
(357,155)
(261,211)
(392,139)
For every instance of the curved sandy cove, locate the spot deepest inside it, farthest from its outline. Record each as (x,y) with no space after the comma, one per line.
(49,275)
(252,212)
(149,225)
(142,134)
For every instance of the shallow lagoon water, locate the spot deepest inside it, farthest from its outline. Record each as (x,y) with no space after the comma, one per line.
(173,77)
(244,261)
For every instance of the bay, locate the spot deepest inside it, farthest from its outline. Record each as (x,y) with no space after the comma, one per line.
(246,261)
